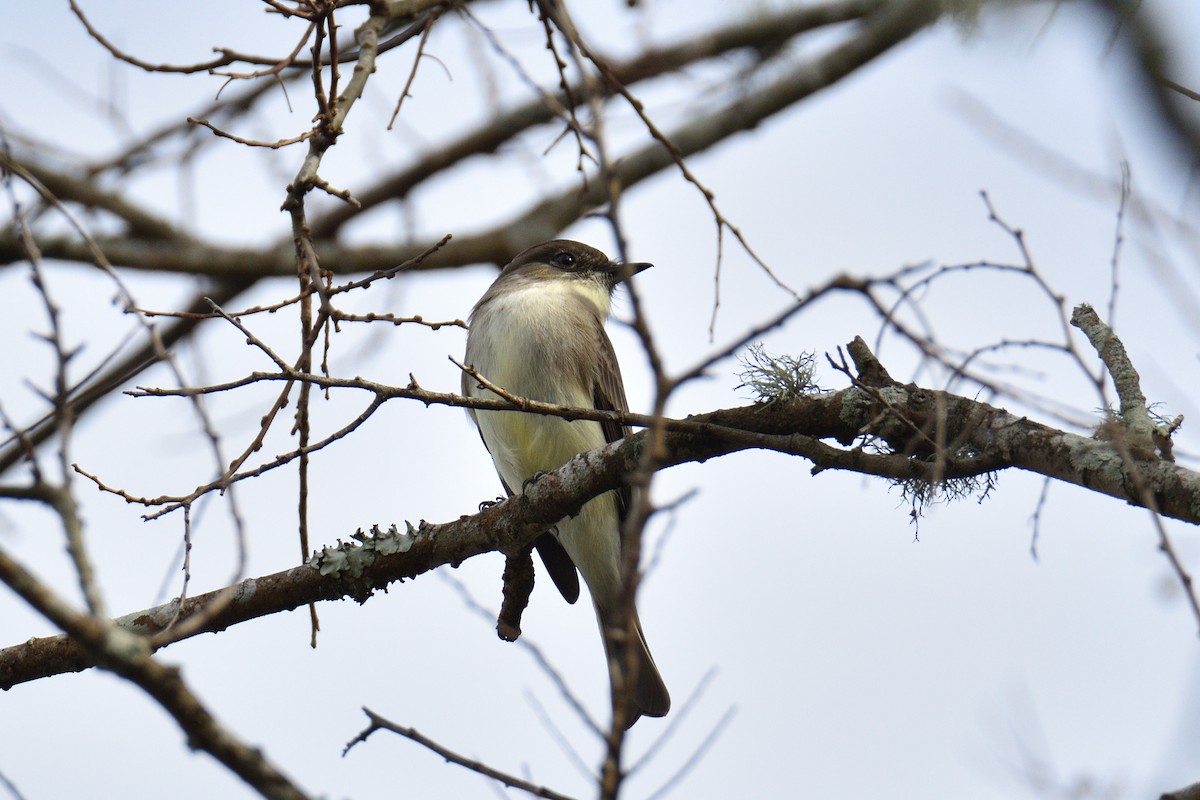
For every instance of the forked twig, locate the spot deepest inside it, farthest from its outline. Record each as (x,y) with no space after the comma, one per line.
(379,723)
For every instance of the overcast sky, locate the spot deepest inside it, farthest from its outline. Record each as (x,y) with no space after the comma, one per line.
(862,657)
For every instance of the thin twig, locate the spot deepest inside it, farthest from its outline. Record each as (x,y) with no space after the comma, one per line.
(428,27)
(378,723)
(308,134)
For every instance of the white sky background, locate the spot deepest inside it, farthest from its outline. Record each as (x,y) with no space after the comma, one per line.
(861,662)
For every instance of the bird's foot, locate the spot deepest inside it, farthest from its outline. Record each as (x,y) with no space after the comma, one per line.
(532,479)
(490,503)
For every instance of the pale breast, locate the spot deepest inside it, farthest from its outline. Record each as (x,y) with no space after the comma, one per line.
(538,343)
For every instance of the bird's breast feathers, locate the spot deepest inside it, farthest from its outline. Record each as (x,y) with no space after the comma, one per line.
(520,343)
(541,342)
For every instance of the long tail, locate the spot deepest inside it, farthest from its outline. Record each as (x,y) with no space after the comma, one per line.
(650,696)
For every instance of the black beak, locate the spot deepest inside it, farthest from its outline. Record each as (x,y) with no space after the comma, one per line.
(623,272)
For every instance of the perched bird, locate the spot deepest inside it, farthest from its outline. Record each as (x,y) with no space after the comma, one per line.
(538,332)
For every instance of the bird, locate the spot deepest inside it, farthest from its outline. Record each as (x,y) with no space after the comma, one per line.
(538,333)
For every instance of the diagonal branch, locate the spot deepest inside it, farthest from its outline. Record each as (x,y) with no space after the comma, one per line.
(379,723)
(876,35)
(125,654)
(994,438)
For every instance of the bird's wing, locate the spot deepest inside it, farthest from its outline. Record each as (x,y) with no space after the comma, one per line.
(608,394)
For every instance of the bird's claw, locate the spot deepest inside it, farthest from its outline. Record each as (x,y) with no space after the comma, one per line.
(532,479)
(490,503)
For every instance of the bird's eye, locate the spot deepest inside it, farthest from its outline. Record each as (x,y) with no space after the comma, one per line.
(564,260)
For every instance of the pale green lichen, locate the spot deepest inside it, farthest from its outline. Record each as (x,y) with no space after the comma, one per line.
(855,404)
(351,560)
(1091,456)
(1142,431)
(776,377)
(920,494)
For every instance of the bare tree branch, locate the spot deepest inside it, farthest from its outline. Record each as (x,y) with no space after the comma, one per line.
(988,438)
(126,654)
(378,723)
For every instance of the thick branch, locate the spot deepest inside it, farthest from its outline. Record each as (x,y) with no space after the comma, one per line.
(128,656)
(986,438)
(86,191)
